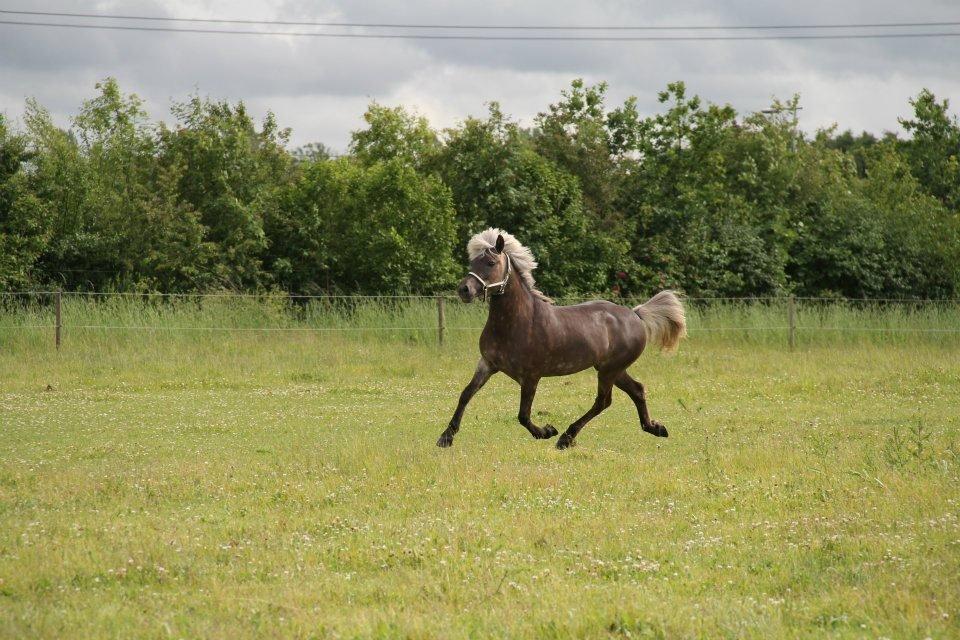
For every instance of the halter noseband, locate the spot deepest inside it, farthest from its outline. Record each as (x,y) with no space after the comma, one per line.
(502,284)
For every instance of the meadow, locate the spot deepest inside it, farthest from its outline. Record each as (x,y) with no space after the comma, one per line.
(175,471)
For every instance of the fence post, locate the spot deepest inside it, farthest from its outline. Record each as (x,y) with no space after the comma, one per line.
(441,319)
(59,324)
(792,321)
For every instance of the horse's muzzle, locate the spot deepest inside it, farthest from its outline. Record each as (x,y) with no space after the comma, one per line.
(467,289)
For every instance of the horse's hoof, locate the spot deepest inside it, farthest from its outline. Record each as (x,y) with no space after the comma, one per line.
(657,429)
(565,442)
(548,432)
(446,440)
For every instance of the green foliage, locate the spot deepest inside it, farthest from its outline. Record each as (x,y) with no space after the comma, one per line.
(23,228)
(710,199)
(934,149)
(872,237)
(580,136)
(855,146)
(913,447)
(394,133)
(695,197)
(499,180)
(373,228)
(230,171)
(312,151)
(60,180)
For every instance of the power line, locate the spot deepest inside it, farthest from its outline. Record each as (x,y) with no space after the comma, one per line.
(531,27)
(410,36)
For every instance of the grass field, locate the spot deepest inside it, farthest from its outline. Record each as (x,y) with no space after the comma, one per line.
(239,484)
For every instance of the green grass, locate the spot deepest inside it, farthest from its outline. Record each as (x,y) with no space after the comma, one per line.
(240,484)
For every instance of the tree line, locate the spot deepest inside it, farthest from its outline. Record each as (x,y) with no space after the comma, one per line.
(695,197)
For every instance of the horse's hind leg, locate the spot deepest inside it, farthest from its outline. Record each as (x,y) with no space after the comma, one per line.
(528,389)
(635,390)
(602,401)
(480,377)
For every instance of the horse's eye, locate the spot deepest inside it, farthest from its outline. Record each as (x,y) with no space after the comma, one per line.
(491,263)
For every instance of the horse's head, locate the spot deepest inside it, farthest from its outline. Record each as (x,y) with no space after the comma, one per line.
(489,271)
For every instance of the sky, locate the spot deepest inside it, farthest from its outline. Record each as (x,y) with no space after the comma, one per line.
(320,88)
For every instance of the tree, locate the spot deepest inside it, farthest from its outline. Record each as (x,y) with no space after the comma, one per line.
(298,224)
(231,171)
(394,133)
(76,253)
(24,225)
(311,152)
(921,237)
(854,146)
(377,228)
(114,217)
(934,148)
(498,179)
(710,196)
(116,150)
(579,135)
(876,236)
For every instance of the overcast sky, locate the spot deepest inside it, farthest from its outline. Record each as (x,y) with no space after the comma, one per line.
(320,87)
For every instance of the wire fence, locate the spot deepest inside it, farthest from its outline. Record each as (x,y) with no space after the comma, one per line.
(351,314)
(572,299)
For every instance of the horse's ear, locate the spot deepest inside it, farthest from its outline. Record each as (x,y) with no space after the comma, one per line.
(499,246)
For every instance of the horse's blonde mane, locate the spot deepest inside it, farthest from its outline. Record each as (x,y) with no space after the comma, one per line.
(520,256)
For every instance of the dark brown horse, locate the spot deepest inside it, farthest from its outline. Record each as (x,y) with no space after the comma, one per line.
(527,337)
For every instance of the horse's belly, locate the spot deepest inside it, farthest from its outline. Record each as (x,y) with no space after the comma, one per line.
(537,364)
(566,368)
(582,353)
(562,362)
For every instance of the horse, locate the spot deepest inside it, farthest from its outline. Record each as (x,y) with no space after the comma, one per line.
(527,337)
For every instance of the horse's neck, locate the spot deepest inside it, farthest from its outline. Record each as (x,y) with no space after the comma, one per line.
(514,306)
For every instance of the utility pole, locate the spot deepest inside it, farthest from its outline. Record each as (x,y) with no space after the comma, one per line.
(792,110)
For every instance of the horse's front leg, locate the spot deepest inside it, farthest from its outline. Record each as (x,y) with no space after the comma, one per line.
(528,389)
(480,377)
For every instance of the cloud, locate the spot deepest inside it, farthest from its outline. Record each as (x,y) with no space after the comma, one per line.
(320,87)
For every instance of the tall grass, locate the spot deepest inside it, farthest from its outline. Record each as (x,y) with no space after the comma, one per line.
(26,322)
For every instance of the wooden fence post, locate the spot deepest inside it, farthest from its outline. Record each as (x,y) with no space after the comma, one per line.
(59,324)
(441,319)
(792,321)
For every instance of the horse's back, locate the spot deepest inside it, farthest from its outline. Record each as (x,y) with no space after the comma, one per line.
(597,310)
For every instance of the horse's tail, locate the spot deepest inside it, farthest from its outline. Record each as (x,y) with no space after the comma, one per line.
(662,316)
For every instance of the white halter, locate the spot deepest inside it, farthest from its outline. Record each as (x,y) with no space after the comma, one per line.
(502,284)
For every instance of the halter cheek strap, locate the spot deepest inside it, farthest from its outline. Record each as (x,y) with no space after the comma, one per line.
(502,284)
